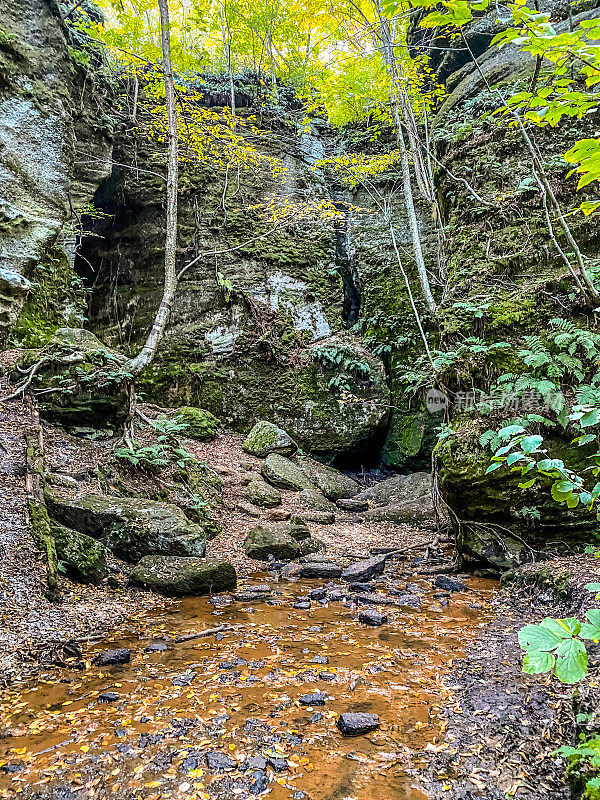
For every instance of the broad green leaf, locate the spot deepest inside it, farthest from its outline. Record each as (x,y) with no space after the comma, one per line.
(535,637)
(571,661)
(530,444)
(589,631)
(537,661)
(593,587)
(563,628)
(593,616)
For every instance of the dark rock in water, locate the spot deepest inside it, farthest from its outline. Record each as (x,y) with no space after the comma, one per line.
(300,795)
(278,764)
(220,762)
(319,660)
(147,739)
(184,679)
(336,596)
(322,569)
(193,760)
(352,504)
(409,601)
(156,647)
(352,723)
(317,594)
(371,617)
(12,768)
(259,782)
(226,665)
(109,658)
(327,676)
(256,762)
(175,576)
(449,584)
(374,599)
(163,760)
(313,699)
(361,587)
(251,595)
(316,717)
(302,604)
(363,570)
(108,697)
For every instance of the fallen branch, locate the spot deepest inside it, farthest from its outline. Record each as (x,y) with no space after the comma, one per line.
(188,637)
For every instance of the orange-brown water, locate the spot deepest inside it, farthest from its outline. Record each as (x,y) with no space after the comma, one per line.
(59,734)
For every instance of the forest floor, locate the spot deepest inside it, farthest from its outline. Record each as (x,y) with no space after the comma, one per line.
(476,725)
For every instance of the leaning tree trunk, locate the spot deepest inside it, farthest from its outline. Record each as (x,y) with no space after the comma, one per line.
(138,364)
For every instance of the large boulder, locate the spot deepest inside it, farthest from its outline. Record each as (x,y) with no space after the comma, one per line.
(264,541)
(285,474)
(201,425)
(332,483)
(130,527)
(175,576)
(420,511)
(79,556)
(265,438)
(487,509)
(262,494)
(81,383)
(316,501)
(397,489)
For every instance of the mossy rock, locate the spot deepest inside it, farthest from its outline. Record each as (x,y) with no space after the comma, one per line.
(310,546)
(262,494)
(176,576)
(314,500)
(487,509)
(201,425)
(285,474)
(130,527)
(266,438)
(80,556)
(332,483)
(264,541)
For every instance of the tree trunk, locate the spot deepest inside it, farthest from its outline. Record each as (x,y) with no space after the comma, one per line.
(387,50)
(136,365)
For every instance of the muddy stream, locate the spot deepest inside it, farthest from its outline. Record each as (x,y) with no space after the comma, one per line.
(227,715)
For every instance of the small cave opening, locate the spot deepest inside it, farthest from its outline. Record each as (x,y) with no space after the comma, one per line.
(364,462)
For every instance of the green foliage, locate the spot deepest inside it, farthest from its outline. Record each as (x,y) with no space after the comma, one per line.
(344,361)
(165,450)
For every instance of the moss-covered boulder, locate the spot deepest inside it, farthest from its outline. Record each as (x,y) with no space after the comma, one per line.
(314,500)
(130,527)
(201,425)
(332,483)
(398,489)
(262,494)
(79,556)
(81,383)
(490,512)
(285,474)
(310,546)
(411,512)
(296,527)
(264,541)
(175,576)
(265,438)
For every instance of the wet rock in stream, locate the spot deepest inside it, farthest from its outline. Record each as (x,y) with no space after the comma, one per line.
(372,617)
(363,570)
(109,658)
(355,723)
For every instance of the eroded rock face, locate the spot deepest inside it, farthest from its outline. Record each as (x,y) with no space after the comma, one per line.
(177,576)
(130,527)
(40,129)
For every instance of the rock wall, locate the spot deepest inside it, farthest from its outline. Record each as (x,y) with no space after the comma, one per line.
(49,117)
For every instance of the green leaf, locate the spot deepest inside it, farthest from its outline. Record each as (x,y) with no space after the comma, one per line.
(593,587)
(571,661)
(527,484)
(530,444)
(496,465)
(593,616)
(563,628)
(537,661)
(536,637)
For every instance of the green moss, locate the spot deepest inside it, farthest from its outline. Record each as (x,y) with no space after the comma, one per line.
(56,300)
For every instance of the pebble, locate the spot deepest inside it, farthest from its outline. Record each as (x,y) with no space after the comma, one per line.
(449,584)
(108,697)
(220,762)
(184,679)
(371,617)
(316,717)
(313,699)
(156,647)
(256,762)
(327,676)
(319,660)
(259,783)
(363,570)
(109,658)
(302,604)
(278,764)
(317,594)
(352,723)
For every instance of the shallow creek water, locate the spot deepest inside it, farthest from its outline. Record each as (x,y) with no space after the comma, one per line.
(199,719)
